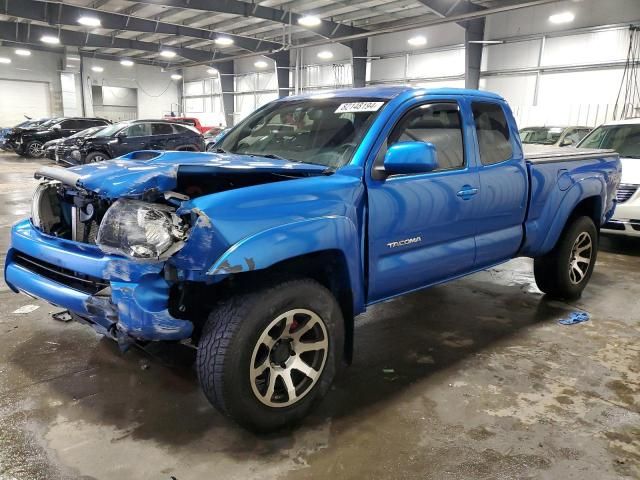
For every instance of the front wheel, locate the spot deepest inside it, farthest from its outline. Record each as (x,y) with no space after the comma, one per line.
(95,157)
(34,149)
(265,358)
(565,271)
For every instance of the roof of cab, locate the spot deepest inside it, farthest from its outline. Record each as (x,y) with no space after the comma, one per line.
(391,91)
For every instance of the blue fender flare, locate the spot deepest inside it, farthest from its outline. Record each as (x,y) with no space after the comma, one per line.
(284,242)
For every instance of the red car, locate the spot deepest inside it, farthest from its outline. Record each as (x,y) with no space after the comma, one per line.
(194,122)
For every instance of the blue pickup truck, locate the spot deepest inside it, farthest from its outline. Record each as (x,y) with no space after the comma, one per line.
(261,253)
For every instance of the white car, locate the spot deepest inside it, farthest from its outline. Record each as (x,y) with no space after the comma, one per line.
(622,136)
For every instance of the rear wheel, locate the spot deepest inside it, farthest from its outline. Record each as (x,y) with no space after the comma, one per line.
(34,149)
(565,271)
(95,157)
(265,358)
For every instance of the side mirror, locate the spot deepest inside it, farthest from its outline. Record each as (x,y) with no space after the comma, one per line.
(121,135)
(410,157)
(56,127)
(567,141)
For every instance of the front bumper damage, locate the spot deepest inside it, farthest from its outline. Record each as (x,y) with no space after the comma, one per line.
(125,299)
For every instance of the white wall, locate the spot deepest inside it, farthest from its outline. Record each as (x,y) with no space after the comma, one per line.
(39,67)
(157,92)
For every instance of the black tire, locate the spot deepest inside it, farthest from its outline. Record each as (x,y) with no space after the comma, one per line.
(188,148)
(232,336)
(94,157)
(32,148)
(553,271)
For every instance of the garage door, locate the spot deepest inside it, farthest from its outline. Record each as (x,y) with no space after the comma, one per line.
(23,98)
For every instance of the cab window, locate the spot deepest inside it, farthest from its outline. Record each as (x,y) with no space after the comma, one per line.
(492,131)
(139,130)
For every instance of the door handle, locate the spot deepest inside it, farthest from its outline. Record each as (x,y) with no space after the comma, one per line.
(467,192)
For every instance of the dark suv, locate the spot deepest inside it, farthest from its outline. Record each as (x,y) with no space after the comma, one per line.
(29,142)
(129,136)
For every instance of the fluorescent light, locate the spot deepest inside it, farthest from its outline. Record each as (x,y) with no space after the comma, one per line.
(564,17)
(73,59)
(167,53)
(98,69)
(5,60)
(50,39)
(23,52)
(486,42)
(126,63)
(325,55)
(224,41)
(261,64)
(212,71)
(417,41)
(71,66)
(309,21)
(89,21)
(175,76)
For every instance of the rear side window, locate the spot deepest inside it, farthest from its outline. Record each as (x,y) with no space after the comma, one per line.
(492,131)
(161,129)
(437,123)
(70,124)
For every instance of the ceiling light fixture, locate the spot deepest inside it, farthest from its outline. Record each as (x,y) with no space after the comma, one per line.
(167,53)
(175,76)
(309,21)
(325,55)
(564,17)
(417,41)
(224,41)
(89,21)
(5,60)
(23,52)
(98,69)
(126,63)
(212,71)
(261,64)
(50,39)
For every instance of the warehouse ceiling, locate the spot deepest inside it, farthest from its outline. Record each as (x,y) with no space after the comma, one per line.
(194,29)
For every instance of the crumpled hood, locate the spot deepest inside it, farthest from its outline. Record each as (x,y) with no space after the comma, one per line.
(132,176)
(630,170)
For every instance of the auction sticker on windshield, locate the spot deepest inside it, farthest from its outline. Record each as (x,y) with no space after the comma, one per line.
(359,107)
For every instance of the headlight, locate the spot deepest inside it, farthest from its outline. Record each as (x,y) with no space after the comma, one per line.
(141,230)
(75,154)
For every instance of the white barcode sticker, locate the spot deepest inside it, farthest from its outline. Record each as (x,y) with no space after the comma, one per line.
(359,107)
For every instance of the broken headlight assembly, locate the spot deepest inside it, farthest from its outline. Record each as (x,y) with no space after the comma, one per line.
(141,230)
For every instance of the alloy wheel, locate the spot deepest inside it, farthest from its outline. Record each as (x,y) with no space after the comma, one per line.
(581,254)
(288,358)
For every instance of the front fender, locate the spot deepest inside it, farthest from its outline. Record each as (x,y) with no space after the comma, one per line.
(267,248)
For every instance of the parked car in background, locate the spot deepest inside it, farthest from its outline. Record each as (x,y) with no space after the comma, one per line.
(623,137)
(57,149)
(5,133)
(30,142)
(212,137)
(125,137)
(262,254)
(191,121)
(553,136)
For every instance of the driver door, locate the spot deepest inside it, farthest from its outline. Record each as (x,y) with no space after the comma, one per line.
(138,137)
(422,226)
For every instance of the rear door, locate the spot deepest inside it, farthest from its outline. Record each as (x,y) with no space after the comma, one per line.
(422,226)
(163,136)
(504,183)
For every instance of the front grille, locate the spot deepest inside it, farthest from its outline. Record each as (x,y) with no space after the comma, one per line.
(78,281)
(63,152)
(626,191)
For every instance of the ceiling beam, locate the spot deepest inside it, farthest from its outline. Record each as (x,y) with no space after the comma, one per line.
(62,14)
(327,28)
(30,33)
(446,8)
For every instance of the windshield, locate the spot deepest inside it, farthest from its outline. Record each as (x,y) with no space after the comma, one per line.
(624,139)
(320,131)
(541,136)
(87,132)
(111,130)
(48,123)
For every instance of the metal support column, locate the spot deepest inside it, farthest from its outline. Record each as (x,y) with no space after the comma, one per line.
(283,67)
(474,32)
(226,72)
(359,61)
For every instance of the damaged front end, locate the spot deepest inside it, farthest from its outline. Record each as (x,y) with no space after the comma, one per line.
(104,260)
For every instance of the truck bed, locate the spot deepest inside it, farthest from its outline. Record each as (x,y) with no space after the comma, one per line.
(545,154)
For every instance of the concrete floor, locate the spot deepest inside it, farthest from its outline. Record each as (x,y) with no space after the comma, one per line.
(474,380)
